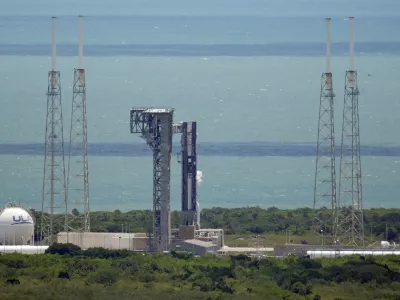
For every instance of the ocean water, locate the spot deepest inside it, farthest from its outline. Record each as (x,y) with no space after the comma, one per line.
(248,71)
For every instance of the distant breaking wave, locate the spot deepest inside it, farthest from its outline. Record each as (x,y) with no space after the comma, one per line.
(249,149)
(280,49)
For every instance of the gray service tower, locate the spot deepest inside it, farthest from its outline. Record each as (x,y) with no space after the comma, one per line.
(155,127)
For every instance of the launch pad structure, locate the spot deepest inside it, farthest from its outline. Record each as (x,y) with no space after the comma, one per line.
(155,127)
(339,219)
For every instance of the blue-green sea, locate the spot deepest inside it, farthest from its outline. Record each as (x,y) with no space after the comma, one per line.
(247,71)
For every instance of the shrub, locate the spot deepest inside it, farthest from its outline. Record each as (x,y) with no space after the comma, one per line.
(63,249)
(104,276)
(64,275)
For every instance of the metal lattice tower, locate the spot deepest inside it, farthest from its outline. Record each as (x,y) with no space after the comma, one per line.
(78,170)
(350,229)
(155,127)
(257,244)
(325,173)
(188,160)
(54,204)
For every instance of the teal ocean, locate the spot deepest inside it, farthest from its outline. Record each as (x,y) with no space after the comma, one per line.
(248,71)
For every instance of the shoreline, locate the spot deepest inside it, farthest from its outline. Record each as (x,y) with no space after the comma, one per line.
(271,208)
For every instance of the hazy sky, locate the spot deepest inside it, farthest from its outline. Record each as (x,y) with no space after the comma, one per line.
(201,7)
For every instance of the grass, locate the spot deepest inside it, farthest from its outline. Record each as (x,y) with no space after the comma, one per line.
(238,240)
(347,290)
(244,240)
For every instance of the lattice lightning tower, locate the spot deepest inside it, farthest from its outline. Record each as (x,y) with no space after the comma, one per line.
(325,174)
(350,228)
(54,204)
(78,170)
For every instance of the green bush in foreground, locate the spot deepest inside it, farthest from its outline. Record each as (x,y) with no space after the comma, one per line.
(105,274)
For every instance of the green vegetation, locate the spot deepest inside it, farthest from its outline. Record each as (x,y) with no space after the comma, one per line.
(67,272)
(240,223)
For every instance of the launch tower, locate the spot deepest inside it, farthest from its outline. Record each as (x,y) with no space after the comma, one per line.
(155,127)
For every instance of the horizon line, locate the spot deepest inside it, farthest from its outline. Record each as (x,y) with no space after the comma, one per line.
(228,149)
(261,49)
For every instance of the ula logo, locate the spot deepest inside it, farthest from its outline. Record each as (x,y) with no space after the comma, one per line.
(22,220)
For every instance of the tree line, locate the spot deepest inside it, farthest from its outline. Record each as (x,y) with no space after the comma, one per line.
(378,222)
(67,272)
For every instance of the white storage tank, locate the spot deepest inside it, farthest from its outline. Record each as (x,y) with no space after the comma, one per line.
(16,226)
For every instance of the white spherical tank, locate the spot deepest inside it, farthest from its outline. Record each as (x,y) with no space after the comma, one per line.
(16,226)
